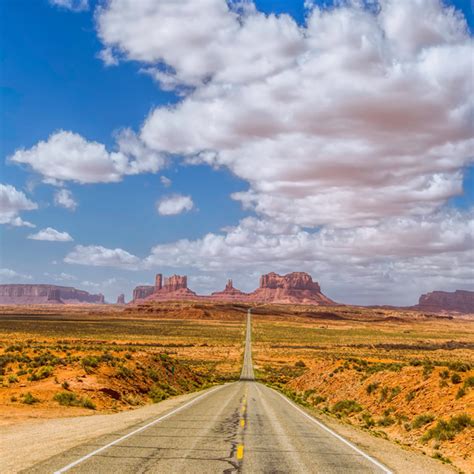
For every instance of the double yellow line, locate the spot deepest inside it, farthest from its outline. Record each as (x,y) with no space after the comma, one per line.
(243,409)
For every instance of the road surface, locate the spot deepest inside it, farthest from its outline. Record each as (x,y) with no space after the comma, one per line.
(239,427)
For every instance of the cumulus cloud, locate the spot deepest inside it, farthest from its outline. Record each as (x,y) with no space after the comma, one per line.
(9,275)
(12,202)
(73,5)
(395,259)
(67,156)
(174,204)
(98,256)
(357,115)
(64,198)
(51,235)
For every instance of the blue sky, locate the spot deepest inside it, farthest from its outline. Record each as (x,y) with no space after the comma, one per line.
(53,79)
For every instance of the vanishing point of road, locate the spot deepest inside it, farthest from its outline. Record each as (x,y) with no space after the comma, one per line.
(238,427)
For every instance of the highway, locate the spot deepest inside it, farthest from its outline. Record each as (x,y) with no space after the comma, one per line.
(238,427)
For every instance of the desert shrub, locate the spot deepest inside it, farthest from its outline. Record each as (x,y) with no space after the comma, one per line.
(318,399)
(469,382)
(308,393)
(368,420)
(153,374)
(346,407)
(42,373)
(460,393)
(383,394)
(124,372)
(444,374)
(87,403)
(456,378)
(447,430)
(66,399)
(128,356)
(133,400)
(21,372)
(157,394)
(422,420)
(372,387)
(65,385)
(12,378)
(394,392)
(458,366)
(89,362)
(300,363)
(440,457)
(29,399)
(410,395)
(386,421)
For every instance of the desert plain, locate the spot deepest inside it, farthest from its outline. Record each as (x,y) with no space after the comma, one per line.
(401,375)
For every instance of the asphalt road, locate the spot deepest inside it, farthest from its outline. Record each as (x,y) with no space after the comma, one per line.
(239,427)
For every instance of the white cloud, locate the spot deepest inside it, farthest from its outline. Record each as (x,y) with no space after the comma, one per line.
(348,119)
(166,182)
(67,156)
(12,202)
(175,204)
(9,275)
(395,260)
(64,198)
(98,256)
(73,5)
(51,235)
(60,277)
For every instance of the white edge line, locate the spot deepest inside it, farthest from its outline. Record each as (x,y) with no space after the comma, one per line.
(161,418)
(339,437)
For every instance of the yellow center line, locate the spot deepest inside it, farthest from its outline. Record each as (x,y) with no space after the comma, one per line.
(242,423)
(240,451)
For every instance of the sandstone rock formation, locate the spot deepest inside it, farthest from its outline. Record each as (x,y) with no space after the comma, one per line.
(229,294)
(296,287)
(46,294)
(142,292)
(461,301)
(121,299)
(174,287)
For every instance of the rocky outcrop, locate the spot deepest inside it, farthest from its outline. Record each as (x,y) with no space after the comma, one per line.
(174,287)
(142,292)
(296,287)
(46,294)
(229,293)
(461,301)
(175,283)
(121,299)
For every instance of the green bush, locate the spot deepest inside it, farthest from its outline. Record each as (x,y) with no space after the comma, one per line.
(422,420)
(87,403)
(66,399)
(346,407)
(29,399)
(42,373)
(469,382)
(447,430)
(372,387)
(456,378)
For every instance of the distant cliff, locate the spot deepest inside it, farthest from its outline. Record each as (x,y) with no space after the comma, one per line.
(46,294)
(461,301)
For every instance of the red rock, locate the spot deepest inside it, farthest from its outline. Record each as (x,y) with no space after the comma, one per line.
(121,299)
(461,301)
(296,287)
(293,288)
(229,294)
(175,283)
(142,292)
(46,294)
